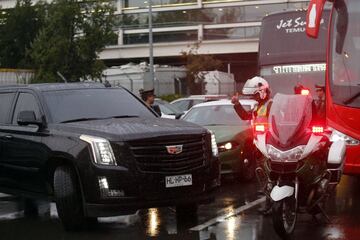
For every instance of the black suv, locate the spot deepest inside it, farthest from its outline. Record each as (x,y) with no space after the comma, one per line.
(100,151)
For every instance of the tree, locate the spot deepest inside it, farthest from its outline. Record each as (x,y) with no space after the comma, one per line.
(74,33)
(19,27)
(196,64)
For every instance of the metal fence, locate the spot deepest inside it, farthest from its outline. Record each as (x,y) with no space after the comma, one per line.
(15,76)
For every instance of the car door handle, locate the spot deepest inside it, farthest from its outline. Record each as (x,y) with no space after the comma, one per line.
(8,137)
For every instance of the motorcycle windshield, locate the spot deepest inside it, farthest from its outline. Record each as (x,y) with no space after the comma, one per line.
(289,115)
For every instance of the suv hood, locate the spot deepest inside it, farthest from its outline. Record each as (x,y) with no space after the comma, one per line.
(127,129)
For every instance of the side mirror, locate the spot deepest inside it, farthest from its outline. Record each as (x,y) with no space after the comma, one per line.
(313,17)
(28,118)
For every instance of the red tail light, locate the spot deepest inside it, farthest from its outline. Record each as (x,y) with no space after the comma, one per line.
(305,92)
(317,129)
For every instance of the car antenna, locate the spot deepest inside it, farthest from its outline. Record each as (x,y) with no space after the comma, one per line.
(61,76)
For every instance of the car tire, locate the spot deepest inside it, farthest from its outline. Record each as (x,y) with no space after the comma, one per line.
(247,169)
(68,199)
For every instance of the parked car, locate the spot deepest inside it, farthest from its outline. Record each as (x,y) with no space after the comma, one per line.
(184,104)
(100,152)
(168,110)
(234,136)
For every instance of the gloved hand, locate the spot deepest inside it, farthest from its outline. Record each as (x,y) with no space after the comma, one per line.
(235,99)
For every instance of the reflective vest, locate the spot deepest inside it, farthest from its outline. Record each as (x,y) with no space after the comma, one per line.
(261,113)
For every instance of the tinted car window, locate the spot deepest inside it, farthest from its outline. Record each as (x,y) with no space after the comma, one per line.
(94,103)
(5,105)
(167,108)
(26,102)
(195,102)
(183,105)
(215,115)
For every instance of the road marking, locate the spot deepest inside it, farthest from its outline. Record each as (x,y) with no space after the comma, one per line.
(12,216)
(53,211)
(4,195)
(226,216)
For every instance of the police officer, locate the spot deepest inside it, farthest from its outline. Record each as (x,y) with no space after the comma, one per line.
(320,104)
(259,89)
(148,97)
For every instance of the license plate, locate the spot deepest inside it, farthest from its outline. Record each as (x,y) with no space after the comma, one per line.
(178,181)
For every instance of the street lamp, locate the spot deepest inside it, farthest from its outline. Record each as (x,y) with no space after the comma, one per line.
(151,47)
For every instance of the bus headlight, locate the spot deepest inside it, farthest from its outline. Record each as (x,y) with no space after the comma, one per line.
(102,151)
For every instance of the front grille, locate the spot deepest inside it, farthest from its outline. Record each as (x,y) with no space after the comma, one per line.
(151,154)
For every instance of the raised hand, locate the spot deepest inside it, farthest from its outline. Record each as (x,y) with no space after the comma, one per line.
(235,99)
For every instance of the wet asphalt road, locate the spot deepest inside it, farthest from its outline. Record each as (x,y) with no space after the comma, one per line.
(232,216)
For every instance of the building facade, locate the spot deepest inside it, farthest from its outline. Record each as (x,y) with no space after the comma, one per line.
(228,29)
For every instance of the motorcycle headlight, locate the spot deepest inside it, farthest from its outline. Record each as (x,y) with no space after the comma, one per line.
(292,155)
(102,151)
(214,147)
(339,136)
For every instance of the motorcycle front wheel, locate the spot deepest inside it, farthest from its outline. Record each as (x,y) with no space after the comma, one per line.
(284,217)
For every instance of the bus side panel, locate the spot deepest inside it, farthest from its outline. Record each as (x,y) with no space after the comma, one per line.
(352,162)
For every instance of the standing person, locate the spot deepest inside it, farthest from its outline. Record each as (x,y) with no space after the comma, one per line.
(258,88)
(148,97)
(320,104)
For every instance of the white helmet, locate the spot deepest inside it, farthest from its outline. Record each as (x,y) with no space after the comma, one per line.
(256,85)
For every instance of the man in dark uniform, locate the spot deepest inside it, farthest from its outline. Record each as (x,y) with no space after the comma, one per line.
(320,104)
(148,97)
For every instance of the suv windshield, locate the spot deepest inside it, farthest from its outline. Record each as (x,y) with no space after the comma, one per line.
(87,104)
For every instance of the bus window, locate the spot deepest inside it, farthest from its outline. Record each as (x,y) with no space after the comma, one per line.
(345,79)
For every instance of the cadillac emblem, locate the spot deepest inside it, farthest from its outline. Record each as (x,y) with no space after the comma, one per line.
(174,150)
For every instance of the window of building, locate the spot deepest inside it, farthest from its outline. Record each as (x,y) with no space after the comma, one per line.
(232,33)
(161,37)
(144,3)
(223,15)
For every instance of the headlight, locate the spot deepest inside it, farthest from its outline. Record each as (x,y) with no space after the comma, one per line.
(214,147)
(292,155)
(101,149)
(339,136)
(223,147)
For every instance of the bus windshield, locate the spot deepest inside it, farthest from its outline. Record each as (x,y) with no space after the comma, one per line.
(345,46)
(287,57)
(286,78)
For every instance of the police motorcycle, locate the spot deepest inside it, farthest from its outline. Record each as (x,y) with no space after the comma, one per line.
(301,165)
